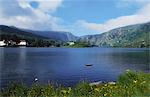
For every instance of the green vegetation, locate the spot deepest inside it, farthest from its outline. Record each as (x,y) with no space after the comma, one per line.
(132,36)
(80,45)
(32,41)
(129,84)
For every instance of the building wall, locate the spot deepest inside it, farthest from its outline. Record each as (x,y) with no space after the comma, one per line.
(2,43)
(22,43)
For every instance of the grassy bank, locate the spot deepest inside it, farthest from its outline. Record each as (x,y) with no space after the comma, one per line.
(129,84)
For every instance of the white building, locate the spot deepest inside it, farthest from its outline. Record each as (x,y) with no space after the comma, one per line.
(22,43)
(11,42)
(71,43)
(2,43)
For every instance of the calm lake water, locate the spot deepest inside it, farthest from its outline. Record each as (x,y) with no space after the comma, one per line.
(66,66)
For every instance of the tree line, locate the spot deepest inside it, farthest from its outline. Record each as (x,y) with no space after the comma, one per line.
(31,41)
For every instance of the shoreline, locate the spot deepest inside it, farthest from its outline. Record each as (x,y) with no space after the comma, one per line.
(65,47)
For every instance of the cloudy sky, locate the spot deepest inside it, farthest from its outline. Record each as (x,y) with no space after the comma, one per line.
(81,17)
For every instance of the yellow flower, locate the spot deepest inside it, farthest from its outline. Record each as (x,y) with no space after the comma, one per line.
(135,81)
(69,88)
(105,94)
(96,89)
(64,91)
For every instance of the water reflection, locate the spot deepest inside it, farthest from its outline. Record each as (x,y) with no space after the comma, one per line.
(67,66)
(133,60)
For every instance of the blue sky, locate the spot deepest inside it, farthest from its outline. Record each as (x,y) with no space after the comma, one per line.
(97,11)
(80,17)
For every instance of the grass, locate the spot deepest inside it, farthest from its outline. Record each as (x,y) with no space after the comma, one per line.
(129,84)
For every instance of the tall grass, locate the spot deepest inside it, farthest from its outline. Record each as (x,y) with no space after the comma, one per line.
(129,84)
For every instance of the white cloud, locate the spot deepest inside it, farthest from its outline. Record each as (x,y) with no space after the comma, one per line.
(141,16)
(49,5)
(20,13)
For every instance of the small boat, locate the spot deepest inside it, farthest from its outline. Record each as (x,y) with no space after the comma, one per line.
(88,65)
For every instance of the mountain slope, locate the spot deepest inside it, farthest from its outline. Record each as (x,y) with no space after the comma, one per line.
(14,34)
(56,35)
(128,36)
(15,31)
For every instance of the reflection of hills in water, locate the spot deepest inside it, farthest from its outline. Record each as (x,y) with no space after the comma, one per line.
(134,60)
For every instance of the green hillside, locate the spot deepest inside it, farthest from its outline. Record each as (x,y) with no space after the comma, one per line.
(11,33)
(129,36)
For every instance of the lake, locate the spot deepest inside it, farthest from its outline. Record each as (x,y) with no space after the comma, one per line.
(66,66)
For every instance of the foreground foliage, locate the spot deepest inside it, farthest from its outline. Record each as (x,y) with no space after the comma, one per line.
(129,84)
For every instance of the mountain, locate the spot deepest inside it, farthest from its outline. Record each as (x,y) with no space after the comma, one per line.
(56,35)
(35,38)
(15,31)
(128,36)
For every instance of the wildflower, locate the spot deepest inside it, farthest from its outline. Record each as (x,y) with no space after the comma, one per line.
(105,85)
(64,91)
(69,90)
(96,89)
(135,81)
(105,94)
